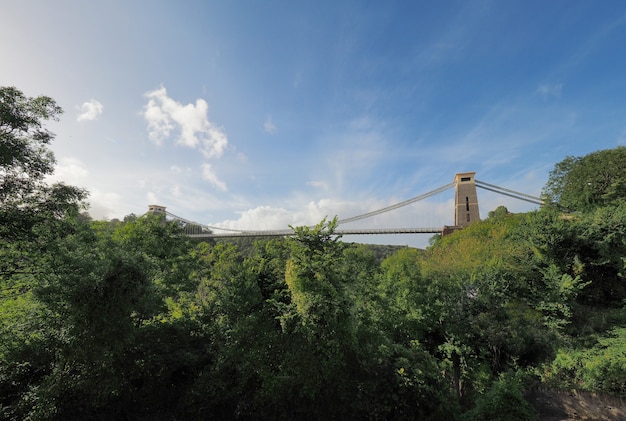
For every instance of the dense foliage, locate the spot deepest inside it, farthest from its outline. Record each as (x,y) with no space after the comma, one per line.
(584,183)
(131,320)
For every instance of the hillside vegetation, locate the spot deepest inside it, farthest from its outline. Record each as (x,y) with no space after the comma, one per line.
(131,320)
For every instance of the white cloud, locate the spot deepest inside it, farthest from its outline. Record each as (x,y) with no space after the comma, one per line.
(69,170)
(269,126)
(272,218)
(267,217)
(209,175)
(103,205)
(261,218)
(90,110)
(195,131)
(159,123)
(548,91)
(152,198)
(176,170)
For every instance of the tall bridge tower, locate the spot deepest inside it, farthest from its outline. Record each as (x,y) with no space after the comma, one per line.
(466,200)
(156,209)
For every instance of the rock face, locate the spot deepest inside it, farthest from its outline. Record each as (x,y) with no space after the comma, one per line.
(552,405)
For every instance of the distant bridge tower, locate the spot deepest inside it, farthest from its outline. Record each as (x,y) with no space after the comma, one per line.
(466,198)
(156,209)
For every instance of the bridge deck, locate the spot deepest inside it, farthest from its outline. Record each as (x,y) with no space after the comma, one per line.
(284,233)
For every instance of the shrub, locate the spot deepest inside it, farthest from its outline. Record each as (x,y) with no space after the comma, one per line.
(502,401)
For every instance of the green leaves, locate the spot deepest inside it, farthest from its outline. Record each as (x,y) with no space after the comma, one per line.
(504,401)
(24,158)
(314,279)
(600,368)
(583,183)
(25,199)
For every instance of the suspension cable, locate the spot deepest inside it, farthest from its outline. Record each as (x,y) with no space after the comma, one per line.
(481,184)
(510,193)
(538,199)
(397,205)
(341,221)
(187,221)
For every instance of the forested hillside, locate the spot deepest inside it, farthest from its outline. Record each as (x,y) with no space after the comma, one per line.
(131,320)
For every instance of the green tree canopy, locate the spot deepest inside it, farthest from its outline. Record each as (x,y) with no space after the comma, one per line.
(583,183)
(25,161)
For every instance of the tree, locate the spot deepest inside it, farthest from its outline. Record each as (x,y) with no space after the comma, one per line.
(404,296)
(25,160)
(498,305)
(26,201)
(589,246)
(32,216)
(23,154)
(314,280)
(76,296)
(98,328)
(582,183)
(351,365)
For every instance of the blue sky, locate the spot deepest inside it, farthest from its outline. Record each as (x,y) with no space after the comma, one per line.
(261,114)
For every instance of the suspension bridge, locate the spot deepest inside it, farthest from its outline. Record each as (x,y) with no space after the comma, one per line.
(466,212)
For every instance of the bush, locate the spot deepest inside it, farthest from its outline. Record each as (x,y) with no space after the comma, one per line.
(502,401)
(600,369)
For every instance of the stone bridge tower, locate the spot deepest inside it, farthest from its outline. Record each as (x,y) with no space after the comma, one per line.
(156,209)
(466,200)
